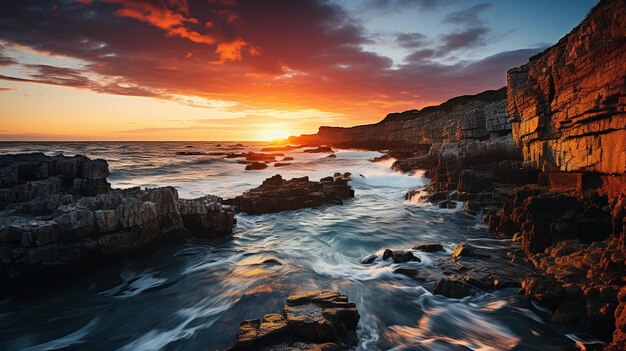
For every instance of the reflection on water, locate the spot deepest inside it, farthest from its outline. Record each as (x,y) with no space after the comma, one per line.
(193,296)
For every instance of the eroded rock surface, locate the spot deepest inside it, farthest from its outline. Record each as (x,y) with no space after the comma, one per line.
(277,194)
(567,104)
(315,320)
(60,214)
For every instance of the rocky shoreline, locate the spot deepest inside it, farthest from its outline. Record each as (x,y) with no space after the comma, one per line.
(59,214)
(544,161)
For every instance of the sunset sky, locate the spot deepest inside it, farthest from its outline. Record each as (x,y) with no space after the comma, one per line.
(252,69)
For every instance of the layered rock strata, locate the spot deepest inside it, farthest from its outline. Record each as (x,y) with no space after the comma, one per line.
(315,320)
(277,194)
(59,214)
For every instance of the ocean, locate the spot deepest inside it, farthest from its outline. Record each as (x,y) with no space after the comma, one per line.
(193,296)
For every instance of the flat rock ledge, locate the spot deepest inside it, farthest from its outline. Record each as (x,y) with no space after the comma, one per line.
(319,320)
(59,214)
(277,194)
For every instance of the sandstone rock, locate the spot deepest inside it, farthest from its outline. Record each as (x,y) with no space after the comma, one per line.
(277,194)
(315,320)
(566,104)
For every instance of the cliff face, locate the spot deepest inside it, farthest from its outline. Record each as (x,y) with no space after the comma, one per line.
(476,117)
(567,104)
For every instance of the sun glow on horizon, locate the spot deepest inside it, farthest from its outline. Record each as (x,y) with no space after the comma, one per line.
(274,135)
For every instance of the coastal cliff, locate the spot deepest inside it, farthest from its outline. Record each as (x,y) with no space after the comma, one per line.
(545,161)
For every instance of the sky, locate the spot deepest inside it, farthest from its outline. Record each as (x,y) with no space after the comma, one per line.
(253,69)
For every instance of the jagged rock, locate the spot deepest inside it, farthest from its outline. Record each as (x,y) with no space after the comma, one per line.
(315,320)
(452,289)
(61,230)
(465,250)
(399,256)
(207,217)
(430,247)
(256,166)
(277,194)
(566,104)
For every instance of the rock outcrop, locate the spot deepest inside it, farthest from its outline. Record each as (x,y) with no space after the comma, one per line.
(277,194)
(315,320)
(59,214)
(567,104)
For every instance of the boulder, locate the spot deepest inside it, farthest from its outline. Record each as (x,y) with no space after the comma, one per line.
(452,289)
(399,256)
(430,247)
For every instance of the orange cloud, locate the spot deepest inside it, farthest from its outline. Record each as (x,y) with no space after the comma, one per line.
(230,51)
(158,15)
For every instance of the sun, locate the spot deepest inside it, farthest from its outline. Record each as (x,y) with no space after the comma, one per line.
(274,135)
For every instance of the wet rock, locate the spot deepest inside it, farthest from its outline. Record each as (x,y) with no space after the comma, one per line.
(452,289)
(256,166)
(409,272)
(332,156)
(207,217)
(369,259)
(447,204)
(315,320)
(465,250)
(430,247)
(399,256)
(281,164)
(288,158)
(277,194)
(71,220)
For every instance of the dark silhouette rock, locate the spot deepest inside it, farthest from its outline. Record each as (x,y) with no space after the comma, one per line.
(320,149)
(369,259)
(399,256)
(465,250)
(256,166)
(431,247)
(452,289)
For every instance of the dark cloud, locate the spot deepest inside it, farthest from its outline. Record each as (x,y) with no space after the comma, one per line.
(469,16)
(468,38)
(411,40)
(402,5)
